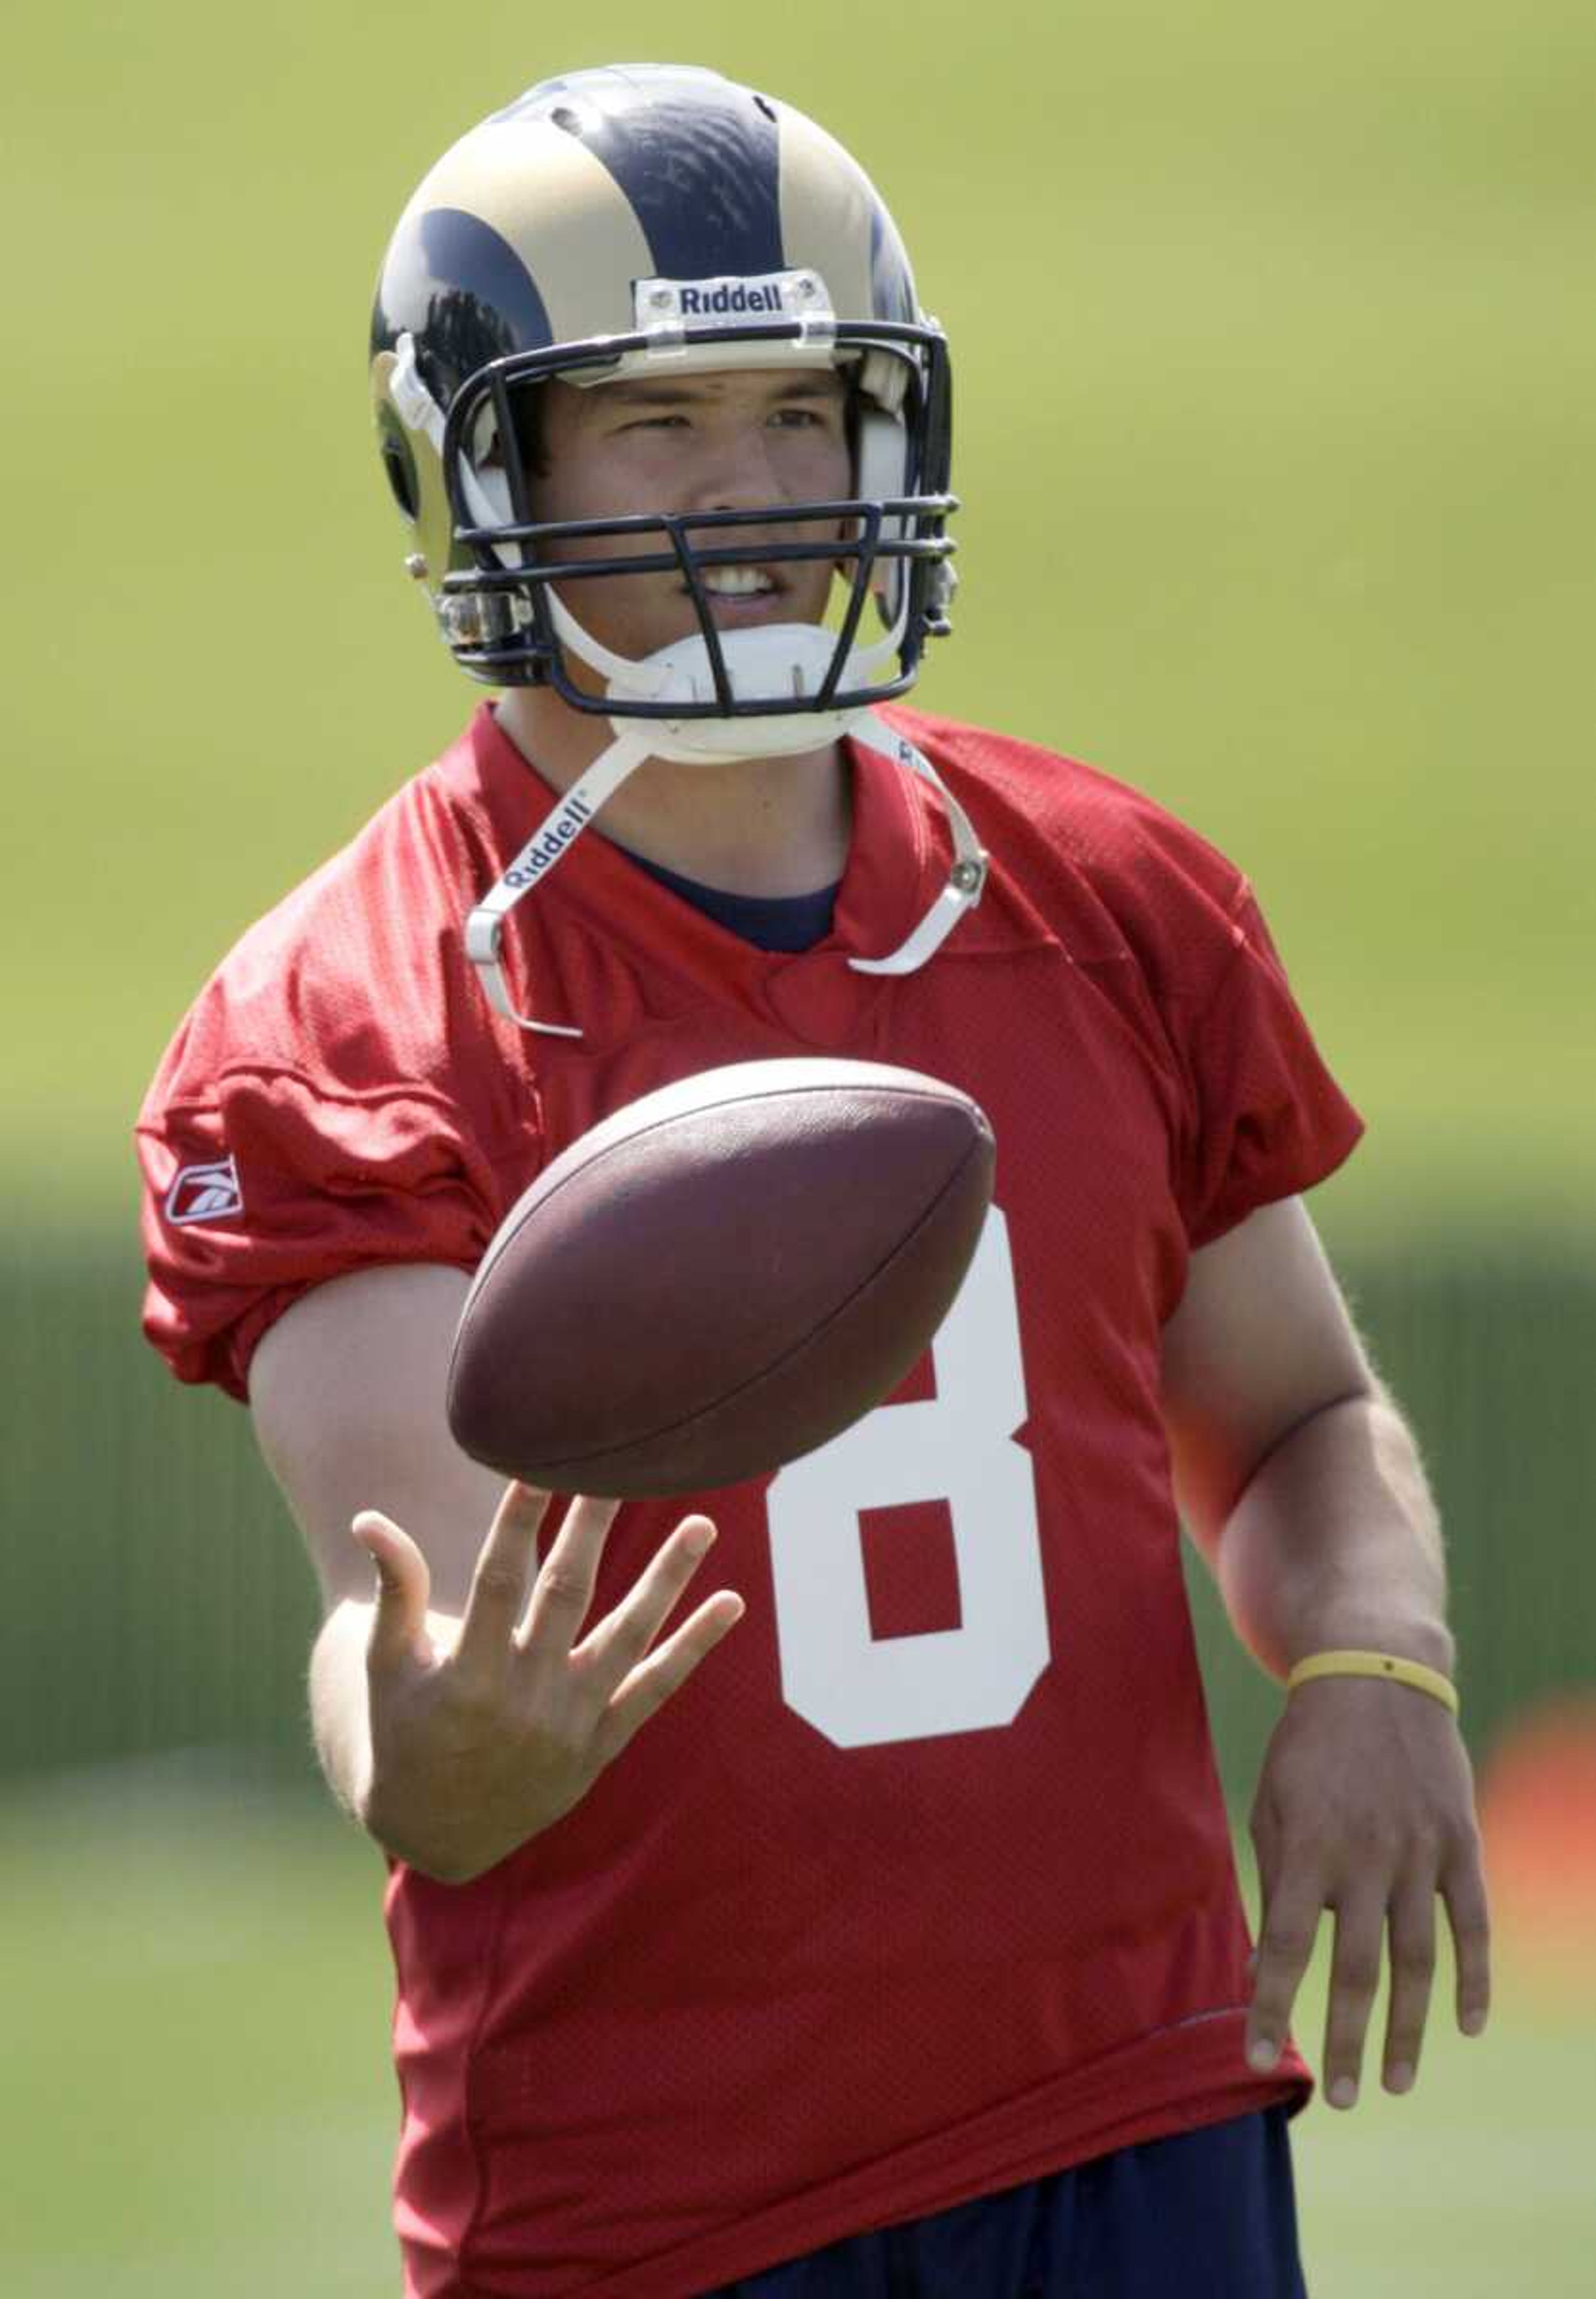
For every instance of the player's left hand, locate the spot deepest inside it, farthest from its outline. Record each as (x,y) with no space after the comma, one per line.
(1365,1807)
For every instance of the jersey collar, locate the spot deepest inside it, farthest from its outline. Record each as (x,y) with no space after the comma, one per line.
(898,863)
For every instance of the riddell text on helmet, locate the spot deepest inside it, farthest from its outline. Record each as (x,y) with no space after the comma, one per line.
(732,295)
(535,858)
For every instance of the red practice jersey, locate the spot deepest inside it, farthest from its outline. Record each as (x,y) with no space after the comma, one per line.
(922,1886)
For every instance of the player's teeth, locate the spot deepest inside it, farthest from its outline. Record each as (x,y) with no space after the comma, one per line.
(736,582)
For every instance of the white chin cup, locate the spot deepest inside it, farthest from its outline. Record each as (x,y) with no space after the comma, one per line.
(767,664)
(775,660)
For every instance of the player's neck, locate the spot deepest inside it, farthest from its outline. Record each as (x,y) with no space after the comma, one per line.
(765,827)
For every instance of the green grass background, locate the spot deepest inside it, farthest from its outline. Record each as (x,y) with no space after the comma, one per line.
(205,2104)
(1276,360)
(1275,347)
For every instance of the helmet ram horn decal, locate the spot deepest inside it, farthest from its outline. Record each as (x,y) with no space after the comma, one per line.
(638,221)
(655,221)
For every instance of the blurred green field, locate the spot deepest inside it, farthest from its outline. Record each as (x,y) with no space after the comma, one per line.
(1275,355)
(199,2043)
(1275,359)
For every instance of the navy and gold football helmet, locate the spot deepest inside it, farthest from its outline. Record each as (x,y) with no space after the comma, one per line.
(654,220)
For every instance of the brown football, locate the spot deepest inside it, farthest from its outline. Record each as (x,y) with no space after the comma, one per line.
(721,1276)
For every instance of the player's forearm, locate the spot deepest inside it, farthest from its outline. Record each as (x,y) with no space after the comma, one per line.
(1334,1542)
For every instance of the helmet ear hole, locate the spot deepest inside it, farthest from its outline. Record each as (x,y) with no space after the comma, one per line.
(401,474)
(882,455)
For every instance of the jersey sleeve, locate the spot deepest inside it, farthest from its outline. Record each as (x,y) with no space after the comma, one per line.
(261,1183)
(1254,1114)
(333,1101)
(336,1099)
(1269,1120)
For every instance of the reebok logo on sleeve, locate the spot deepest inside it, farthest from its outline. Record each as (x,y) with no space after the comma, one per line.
(202,1193)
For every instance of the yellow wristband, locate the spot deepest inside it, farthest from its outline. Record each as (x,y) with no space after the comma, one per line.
(1375,1664)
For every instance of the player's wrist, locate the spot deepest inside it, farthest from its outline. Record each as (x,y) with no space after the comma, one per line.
(408,1827)
(1411,1636)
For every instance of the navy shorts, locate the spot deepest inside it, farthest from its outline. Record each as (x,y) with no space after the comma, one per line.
(1206,2214)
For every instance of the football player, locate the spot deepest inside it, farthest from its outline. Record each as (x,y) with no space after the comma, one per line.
(870,1923)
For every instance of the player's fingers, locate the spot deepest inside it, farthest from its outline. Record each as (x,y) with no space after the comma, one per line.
(404,1585)
(563,1588)
(1292,1903)
(1412,1928)
(1354,1980)
(652,1682)
(505,1564)
(621,1640)
(1463,1888)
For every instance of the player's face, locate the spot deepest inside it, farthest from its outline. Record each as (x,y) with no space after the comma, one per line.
(733,442)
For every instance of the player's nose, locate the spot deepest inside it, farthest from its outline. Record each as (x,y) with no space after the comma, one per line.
(736,473)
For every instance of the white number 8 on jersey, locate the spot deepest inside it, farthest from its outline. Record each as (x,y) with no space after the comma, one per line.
(860,1691)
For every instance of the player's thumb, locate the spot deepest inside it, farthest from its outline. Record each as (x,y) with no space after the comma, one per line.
(404,1585)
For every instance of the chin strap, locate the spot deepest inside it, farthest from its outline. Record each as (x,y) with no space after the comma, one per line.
(967,879)
(560,829)
(554,838)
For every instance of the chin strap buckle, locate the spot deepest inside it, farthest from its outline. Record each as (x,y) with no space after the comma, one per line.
(476,618)
(967,879)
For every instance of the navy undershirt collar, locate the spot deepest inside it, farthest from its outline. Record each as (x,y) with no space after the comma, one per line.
(774,922)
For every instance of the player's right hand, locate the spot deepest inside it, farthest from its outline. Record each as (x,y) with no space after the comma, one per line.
(474,1749)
